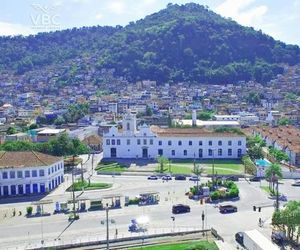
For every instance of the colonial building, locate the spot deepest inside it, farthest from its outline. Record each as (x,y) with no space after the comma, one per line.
(150,142)
(29,173)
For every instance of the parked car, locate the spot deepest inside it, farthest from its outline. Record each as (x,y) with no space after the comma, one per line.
(152,177)
(180,177)
(255,179)
(239,237)
(180,208)
(227,209)
(278,237)
(167,177)
(194,178)
(232,178)
(281,197)
(296,183)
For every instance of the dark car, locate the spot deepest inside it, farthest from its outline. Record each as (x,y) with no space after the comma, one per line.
(180,208)
(278,238)
(180,178)
(194,178)
(255,179)
(227,209)
(152,177)
(232,178)
(167,178)
(239,237)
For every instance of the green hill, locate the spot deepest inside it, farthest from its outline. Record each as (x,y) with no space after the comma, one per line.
(180,43)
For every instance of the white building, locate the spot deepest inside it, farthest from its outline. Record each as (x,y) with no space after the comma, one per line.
(29,173)
(149,142)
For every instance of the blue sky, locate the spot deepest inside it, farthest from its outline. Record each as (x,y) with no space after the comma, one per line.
(278,18)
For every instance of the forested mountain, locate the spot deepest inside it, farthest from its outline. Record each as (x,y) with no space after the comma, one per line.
(180,43)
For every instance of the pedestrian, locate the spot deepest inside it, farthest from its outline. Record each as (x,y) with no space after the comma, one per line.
(116,233)
(260,222)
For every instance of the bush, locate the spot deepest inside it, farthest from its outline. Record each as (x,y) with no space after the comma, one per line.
(29,210)
(250,167)
(215,195)
(134,201)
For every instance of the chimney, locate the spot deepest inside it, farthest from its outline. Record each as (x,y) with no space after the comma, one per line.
(194,118)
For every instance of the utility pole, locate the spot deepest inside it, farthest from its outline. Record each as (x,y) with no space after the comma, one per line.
(277,196)
(203,218)
(213,167)
(81,172)
(73,188)
(107,228)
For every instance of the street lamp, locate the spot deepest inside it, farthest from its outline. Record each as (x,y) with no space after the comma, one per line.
(73,188)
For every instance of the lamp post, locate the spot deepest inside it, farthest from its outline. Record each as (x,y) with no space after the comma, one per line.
(73,188)
(213,166)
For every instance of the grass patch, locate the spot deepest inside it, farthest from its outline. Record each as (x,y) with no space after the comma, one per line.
(223,167)
(268,190)
(88,186)
(107,167)
(190,245)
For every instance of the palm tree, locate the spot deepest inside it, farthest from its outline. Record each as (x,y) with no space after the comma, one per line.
(273,173)
(162,161)
(197,171)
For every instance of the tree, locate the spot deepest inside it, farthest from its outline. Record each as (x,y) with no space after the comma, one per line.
(162,161)
(33,126)
(11,130)
(255,152)
(284,121)
(197,171)
(148,111)
(288,219)
(273,173)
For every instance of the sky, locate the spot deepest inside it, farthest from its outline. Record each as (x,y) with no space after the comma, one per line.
(278,18)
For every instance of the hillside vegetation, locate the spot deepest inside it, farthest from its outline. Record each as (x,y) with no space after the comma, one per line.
(180,43)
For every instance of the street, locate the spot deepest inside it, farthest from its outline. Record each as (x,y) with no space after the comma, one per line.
(29,232)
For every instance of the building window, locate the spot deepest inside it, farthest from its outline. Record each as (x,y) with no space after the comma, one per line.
(113,142)
(173,152)
(200,153)
(159,143)
(55,168)
(210,152)
(179,143)
(145,134)
(20,174)
(151,141)
(27,173)
(200,143)
(128,141)
(145,141)
(229,152)
(190,143)
(42,172)
(239,152)
(138,141)
(239,143)
(170,143)
(219,152)
(107,142)
(128,126)
(4,175)
(185,152)
(229,143)
(12,174)
(160,152)
(118,142)
(209,143)
(220,143)
(34,173)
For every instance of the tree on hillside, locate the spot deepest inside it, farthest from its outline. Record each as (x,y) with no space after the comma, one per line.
(11,130)
(273,173)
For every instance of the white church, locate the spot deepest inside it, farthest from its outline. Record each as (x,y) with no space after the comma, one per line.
(149,142)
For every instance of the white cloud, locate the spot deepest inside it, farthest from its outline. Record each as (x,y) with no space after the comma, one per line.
(99,16)
(11,29)
(116,7)
(242,11)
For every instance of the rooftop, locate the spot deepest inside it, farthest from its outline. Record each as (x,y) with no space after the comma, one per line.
(286,136)
(21,159)
(191,132)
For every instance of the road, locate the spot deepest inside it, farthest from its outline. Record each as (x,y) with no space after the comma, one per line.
(27,232)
